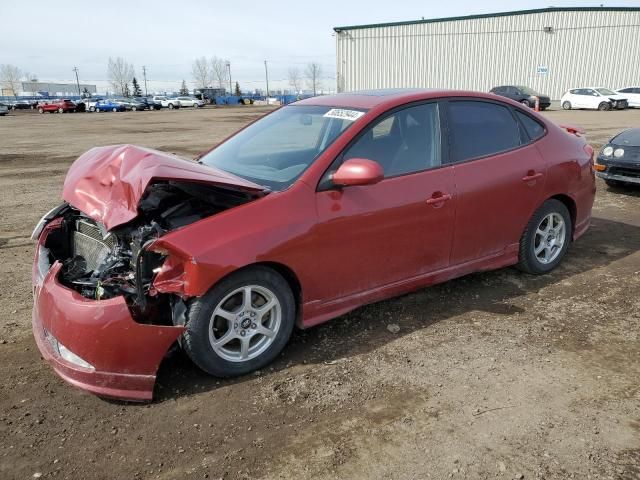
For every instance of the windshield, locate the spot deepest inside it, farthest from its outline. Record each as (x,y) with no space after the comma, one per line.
(605,91)
(277,149)
(528,91)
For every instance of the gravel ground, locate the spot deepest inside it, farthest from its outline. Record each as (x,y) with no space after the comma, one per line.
(494,375)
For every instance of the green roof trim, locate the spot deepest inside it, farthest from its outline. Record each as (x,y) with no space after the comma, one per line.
(490,15)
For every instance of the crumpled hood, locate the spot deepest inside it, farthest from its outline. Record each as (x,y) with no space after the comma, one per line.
(107,183)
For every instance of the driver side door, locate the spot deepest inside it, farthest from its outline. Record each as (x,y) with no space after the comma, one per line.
(383,235)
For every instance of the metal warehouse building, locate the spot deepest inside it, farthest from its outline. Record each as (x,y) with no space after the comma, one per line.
(548,49)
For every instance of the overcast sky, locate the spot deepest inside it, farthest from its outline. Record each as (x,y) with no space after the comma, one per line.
(49,38)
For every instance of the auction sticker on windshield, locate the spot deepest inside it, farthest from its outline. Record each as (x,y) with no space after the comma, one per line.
(351,115)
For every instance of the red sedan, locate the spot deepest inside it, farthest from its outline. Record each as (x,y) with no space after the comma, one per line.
(315,209)
(59,106)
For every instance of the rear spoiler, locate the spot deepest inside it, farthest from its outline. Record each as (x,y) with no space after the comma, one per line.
(573,129)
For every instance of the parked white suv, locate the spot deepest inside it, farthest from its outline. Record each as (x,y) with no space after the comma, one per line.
(167,102)
(632,94)
(190,102)
(595,98)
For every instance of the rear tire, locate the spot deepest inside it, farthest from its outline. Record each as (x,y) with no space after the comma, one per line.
(243,323)
(41,110)
(546,238)
(566,105)
(526,103)
(171,106)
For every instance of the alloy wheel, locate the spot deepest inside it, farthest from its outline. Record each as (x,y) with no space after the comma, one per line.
(245,323)
(550,237)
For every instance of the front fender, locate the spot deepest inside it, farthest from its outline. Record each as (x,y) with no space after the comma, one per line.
(277,228)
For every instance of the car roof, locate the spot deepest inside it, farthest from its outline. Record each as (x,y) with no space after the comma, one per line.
(368,99)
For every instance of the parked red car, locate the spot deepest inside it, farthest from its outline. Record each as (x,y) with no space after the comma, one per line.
(60,106)
(315,209)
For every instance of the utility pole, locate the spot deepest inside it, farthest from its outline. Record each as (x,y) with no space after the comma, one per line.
(266,74)
(144,74)
(229,68)
(75,69)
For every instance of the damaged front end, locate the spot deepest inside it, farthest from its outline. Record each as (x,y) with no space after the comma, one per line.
(101,264)
(97,317)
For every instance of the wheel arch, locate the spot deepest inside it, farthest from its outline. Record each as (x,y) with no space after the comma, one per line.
(571,205)
(286,272)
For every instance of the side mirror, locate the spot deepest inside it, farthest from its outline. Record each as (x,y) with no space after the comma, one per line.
(358,171)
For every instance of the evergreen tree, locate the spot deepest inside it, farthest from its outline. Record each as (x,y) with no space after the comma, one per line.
(137,91)
(238,93)
(184,90)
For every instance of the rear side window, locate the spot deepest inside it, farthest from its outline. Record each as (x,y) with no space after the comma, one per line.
(479,129)
(534,129)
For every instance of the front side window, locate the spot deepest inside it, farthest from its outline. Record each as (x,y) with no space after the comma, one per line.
(277,149)
(479,129)
(605,91)
(404,142)
(529,91)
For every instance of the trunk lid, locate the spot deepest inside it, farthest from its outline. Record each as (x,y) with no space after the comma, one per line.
(107,183)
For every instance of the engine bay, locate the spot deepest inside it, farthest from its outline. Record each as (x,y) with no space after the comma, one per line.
(101,264)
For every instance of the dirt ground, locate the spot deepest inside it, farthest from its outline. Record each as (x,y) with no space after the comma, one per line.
(495,375)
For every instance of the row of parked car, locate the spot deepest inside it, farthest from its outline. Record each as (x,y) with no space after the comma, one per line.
(593,98)
(102,104)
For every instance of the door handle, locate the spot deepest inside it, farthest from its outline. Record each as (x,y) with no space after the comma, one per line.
(531,176)
(439,199)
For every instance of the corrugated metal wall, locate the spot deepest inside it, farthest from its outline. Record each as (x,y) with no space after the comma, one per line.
(586,48)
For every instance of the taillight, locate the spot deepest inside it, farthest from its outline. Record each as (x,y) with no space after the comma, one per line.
(590,151)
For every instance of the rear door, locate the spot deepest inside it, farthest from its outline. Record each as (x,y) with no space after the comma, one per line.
(499,176)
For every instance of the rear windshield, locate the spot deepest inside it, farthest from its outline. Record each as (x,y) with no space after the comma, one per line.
(628,138)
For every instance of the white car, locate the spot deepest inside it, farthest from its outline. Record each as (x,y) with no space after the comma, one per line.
(632,94)
(190,102)
(167,102)
(90,104)
(595,98)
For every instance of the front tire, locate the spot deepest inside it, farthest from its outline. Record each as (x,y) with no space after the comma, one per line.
(171,106)
(604,106)
(566,105)
(241,324)
(41,110)
(526,103)
(546,238)
(614,183)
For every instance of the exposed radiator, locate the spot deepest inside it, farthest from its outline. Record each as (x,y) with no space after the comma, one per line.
(89,243)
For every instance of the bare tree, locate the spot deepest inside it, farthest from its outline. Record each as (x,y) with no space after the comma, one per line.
(201,72)
(120,74)
(219,71)
(313,72)
(295,79)
(10,77)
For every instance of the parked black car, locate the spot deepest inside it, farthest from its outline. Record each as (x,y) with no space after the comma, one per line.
(524,95)
(619,160)
(24,104)
(149,101)
(3,109)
